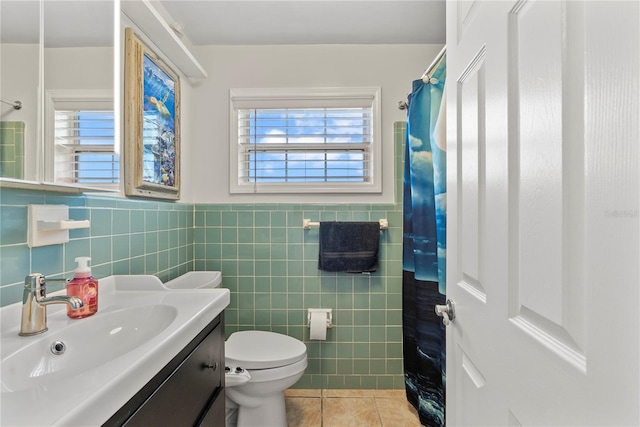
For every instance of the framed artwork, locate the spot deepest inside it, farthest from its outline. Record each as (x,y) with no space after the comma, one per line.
(151,123)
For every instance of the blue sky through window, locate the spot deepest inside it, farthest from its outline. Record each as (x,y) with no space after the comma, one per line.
(307,145)
(97,128)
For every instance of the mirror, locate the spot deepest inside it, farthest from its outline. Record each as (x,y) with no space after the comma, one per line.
(19,81)
(76,59)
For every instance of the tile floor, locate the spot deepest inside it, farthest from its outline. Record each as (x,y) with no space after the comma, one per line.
(349,408)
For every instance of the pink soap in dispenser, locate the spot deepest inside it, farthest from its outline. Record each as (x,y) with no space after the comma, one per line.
(85,287)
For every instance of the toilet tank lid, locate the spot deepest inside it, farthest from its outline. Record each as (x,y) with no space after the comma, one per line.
(196,280)
(262,350)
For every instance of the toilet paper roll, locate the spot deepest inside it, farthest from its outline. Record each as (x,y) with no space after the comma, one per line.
(318,325)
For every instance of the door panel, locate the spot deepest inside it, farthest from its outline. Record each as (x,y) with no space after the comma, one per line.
(542,125)
(538,209)
(472,170)
(547,169)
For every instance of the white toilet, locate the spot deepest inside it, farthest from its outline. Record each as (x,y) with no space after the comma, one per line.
(260,366)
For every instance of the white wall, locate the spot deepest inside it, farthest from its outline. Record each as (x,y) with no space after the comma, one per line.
(78,68)
(205,148)
(205,103)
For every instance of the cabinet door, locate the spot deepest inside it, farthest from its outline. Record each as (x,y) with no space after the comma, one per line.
(189,391)
(216,414)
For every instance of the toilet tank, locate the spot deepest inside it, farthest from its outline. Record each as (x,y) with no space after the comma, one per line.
(196,280)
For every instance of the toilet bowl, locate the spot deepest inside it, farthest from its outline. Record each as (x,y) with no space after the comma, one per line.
(260,366)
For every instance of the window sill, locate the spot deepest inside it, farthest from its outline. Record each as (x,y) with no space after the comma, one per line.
(59,188)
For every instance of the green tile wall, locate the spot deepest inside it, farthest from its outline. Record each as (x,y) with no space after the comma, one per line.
(12,149)
(126,237)
(268,262)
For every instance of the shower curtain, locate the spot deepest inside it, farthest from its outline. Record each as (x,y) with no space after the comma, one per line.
(424,248)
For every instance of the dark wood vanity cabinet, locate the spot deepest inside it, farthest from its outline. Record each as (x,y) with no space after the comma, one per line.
(189,391)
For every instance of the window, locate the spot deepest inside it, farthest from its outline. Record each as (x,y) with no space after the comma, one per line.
(82,132)
(305,140)
(84,148)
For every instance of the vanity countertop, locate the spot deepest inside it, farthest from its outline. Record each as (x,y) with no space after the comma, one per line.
(139,327)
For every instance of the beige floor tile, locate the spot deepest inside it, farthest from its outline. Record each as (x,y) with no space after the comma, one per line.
(347,393)
(349,412)
(396,412)
(304,411)
(349,408)
(303,392)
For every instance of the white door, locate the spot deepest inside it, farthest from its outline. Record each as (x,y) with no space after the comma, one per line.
(543,231)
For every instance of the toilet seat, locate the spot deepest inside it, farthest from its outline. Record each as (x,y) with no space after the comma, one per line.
(263,350)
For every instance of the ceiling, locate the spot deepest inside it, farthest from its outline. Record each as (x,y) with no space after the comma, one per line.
(67,23)
(235,22)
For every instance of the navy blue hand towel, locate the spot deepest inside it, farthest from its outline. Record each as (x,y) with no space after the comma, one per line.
(350,247)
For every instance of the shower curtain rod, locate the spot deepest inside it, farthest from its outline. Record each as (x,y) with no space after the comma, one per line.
(15,104)
(429,71)
(403,105)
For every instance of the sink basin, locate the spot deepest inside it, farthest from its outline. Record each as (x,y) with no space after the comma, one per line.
(83,345)
(140,326)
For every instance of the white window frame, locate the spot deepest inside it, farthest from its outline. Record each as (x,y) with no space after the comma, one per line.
(246,98)
(73,99)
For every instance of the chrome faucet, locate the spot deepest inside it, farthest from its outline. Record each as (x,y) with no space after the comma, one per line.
(35,302)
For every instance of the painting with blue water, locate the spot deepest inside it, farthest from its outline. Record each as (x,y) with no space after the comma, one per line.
(159,125)
(151,123)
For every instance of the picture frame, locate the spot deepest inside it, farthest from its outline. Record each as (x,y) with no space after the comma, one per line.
(151,123)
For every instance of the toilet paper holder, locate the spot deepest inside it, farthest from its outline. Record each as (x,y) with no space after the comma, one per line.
(327,311)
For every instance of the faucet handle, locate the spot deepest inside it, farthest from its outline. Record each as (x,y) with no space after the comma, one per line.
(35,282)
(33,276)
(45,280)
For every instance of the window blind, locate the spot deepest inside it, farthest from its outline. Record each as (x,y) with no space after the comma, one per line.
(84,147)
(297,145)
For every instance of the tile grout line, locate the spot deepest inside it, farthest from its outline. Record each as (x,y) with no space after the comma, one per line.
(375,402)
(321,408)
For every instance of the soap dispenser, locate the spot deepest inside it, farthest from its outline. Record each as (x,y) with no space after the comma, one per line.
(85,287)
